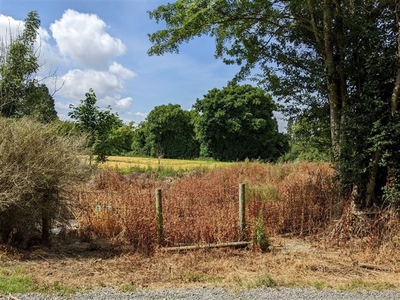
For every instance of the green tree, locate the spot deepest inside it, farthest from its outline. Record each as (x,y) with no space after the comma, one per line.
(97,124)
(39,103)
(120,139)
(338,54)
(20,93)
(139,146)
(309,135)
(237,122)
(170,132)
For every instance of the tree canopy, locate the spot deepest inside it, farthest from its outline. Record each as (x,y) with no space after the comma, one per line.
(339,55)
(168,131)
(96,123)
(21,93)
(237,122)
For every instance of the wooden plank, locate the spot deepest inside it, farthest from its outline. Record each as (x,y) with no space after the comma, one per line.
(207,246)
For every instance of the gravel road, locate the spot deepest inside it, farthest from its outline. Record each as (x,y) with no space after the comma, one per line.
(217,293)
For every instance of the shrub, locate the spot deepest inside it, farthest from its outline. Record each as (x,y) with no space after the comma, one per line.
(36,167)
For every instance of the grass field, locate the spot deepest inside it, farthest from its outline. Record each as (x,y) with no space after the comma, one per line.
(127,164)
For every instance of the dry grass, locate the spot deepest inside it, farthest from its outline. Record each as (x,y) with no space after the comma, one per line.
(291,262)
(143,163)
(314,241)
(202,207)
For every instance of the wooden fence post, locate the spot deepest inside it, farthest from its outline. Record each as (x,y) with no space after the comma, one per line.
(159,217)
(242,219)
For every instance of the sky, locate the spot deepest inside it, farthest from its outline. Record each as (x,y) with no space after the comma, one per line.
(103,45)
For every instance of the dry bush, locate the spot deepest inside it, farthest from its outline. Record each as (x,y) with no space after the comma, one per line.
(202,207)
(363,230)
(36,167)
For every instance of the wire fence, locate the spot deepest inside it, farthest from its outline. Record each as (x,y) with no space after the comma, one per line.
(204,213)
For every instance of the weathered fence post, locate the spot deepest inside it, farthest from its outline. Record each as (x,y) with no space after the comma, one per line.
(159,217)
(242,219)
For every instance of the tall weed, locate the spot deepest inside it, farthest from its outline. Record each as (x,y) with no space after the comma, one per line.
(202,206)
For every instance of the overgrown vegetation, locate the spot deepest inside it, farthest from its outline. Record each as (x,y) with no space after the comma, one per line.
(333,65)
(302,200)
(36,167)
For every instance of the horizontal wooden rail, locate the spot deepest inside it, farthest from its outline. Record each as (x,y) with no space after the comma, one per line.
(206,246)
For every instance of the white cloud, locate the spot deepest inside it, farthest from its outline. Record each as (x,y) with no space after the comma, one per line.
(83,38)
(141,114)
(10,28)
(124,102)
(121,71)
(78,82)
(61,105)
(81,41)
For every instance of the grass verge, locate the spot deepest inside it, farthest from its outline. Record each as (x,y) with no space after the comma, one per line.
(15,281)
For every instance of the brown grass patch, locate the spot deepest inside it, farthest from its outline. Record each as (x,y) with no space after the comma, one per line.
(291,262)
(116,213)
(202,207)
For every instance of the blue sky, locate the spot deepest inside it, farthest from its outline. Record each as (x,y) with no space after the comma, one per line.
(103,45)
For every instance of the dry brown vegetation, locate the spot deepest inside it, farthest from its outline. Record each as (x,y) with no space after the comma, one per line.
(316,238)
(202,206)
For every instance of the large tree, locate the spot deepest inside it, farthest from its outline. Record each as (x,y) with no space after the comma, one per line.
(237,122)
(21,93)
(338,54)
(168,131)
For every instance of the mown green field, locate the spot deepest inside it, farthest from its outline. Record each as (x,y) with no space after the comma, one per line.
(126,164)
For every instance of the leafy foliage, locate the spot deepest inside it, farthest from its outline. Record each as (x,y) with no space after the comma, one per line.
(168,132)
(339,56)
(237,122)
(97,124)
(20,93)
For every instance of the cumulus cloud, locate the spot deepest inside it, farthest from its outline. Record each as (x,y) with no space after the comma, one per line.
(78,82)
(61,105)
(10,27)
(124,102)
(83,38)
(79,41)
(121,71)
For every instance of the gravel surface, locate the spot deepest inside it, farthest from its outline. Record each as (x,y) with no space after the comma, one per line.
(216,293)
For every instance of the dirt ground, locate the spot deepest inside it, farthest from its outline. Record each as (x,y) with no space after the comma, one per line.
(291,262)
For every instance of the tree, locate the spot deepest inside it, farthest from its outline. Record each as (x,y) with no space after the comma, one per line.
(39,103)
(309,135)
(237,122)
(170,133)
(37,169)
(97,124)
(120,139)
(20,92)
(139,146)
(338,54)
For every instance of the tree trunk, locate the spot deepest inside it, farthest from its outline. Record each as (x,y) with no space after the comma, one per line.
(371,185)
(333,97)
(46,219)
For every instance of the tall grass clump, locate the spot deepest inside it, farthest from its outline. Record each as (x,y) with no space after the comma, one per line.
(202,205)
